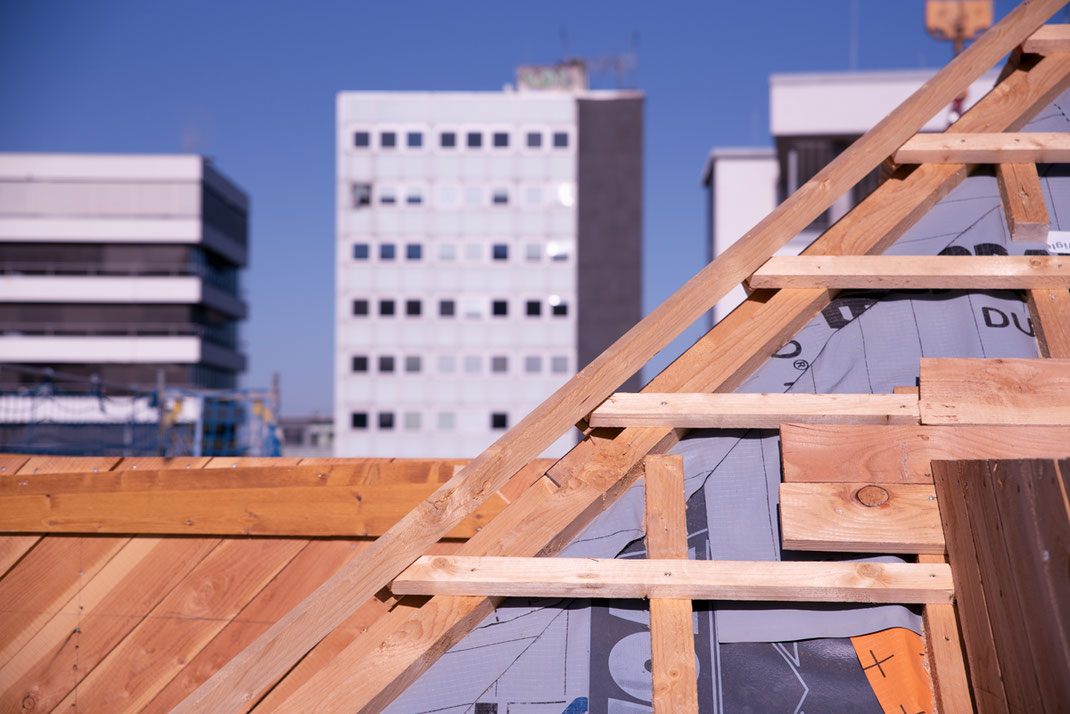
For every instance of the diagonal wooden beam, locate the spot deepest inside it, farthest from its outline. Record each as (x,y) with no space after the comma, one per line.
(366,671)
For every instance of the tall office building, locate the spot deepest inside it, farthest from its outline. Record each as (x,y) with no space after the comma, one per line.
(120,266)
(489,246)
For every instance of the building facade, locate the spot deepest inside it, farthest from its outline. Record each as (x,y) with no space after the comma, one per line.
(813,118)
(489,246)
(123,268)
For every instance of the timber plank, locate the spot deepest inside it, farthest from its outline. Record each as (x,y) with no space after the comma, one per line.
(182,624)
(995,391)
(902,518)
(752,411)
(10,463)
(278,649)
(1003,148)
(943,646)
(1050,310)
(986,678)
(720,361)
(1048,39)
(1023,204)
(13,548)
(914,272)
(793,581)
(901,454)
(672,633)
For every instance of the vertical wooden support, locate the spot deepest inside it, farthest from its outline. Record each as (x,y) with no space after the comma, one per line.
(1050,310)
(947,667)
(672,634)
(1023,202)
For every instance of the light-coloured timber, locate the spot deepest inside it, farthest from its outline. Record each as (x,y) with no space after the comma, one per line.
(345,669)
(1023,203)
(995,391)
(1048,39)
(672,633)
(915,272)
(902,454)
(860,518)
(753,411)
(1050,310)
(1003,148)
(280,647)
(794,581)
(943,646)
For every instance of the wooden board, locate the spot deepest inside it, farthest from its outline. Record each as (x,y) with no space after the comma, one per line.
(1008,148)
(794,581)
(901,454)
(1023,203)
(943,647)
(860,518)
(753,411)
(672,634)
(1050,311)
(914,272)
(1048,39)
(995,391)
(277,650)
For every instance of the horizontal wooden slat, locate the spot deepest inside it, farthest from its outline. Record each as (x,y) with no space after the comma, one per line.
(1009,148)
(914,272)
(860,518)
(901,454)
(1048,39)
(995,391)
(692,579)
(753,411)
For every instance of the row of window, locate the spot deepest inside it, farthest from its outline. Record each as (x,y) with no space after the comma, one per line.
(557,251)
(413,421)
(469,307)
(447,195)
(449,364)
(390,139)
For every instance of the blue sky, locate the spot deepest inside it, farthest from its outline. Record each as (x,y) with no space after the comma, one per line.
(252,84)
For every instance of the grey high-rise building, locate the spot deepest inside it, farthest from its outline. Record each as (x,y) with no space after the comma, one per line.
(488,247)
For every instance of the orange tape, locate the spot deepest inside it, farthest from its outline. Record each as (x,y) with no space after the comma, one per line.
(894,663)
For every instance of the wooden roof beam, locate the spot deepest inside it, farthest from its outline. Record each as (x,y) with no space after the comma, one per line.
(1023,204)
(1002,148)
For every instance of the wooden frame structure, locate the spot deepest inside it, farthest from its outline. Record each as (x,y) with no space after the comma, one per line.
(350,644)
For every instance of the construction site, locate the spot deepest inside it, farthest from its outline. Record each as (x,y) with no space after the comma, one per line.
(851,494)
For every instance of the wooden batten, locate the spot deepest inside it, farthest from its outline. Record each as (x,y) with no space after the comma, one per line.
(1023,204)
(1048,39)
(1006,148)
(995,391)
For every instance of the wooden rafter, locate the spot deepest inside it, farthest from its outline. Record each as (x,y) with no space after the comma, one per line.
(1023,203)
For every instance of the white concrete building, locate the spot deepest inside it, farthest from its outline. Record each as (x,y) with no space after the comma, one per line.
(813,117)
(488,247)
(120,266)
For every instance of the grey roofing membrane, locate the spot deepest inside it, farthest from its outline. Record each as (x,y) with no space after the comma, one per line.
(574,656)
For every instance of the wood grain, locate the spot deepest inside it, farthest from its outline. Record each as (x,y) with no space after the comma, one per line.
(995,391)
(1004,148)
(1048,39)
(1023,204)
(943,647)
(830,517)
(1050,310)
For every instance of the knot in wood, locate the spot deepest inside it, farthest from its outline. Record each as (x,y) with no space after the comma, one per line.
(872,496)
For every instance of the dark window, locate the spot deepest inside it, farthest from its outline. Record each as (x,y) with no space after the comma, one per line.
(475,139)
(499,308)
(362,195)
(500,197)
(386,420)
(414,251)
(386,364)
(386,308)
(560,309)
(414,139)
(499,420)
(387,197)
(361,139)
(360,251)
(499,364)
(360,363)
(359,420)
(534,139)
(447,308)
(500,251)
(413,363)
(534,308)
(414,197)
(388,140)
(412,308)
(387,251)
(560,139)
(360,307)
(447,139)
(501,140)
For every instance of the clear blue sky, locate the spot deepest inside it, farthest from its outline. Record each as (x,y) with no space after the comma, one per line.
(253,84)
